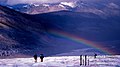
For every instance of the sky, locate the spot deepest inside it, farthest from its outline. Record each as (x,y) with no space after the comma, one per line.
(33,1)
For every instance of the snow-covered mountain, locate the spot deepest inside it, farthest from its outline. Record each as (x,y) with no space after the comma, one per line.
(42,33)
(38,8)
(101,8)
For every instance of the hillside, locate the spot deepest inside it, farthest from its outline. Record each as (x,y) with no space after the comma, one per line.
(48,33)
(17,32)
(89,26)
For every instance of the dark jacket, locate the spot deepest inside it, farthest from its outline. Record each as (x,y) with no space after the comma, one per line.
(41,56)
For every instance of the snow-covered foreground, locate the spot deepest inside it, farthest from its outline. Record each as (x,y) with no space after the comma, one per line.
(63,61)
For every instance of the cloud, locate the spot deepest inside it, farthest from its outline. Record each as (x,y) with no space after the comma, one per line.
(11,2)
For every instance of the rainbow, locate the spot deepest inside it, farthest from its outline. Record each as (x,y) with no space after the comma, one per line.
(81,40)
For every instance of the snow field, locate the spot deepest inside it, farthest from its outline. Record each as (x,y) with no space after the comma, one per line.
(63,61)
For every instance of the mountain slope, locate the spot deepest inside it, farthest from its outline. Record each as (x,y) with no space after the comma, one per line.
(89,26)
(17,32)
(49,33)
(76,22)
(22,34)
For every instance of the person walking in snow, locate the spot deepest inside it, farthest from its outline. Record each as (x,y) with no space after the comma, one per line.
(41,57)
(35,57)
(95,55)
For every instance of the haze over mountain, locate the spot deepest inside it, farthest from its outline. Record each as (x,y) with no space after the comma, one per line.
(23,34)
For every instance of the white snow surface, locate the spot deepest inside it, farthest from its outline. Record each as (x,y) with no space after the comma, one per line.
(63,61)
(71,4)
